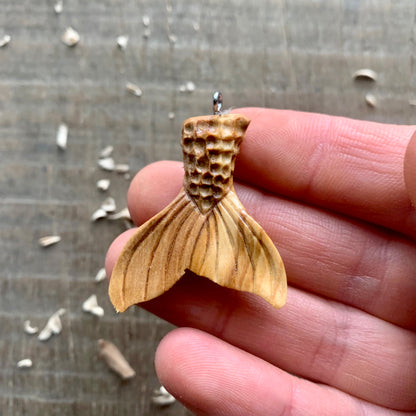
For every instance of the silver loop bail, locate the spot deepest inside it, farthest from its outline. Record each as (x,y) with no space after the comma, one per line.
(217,103)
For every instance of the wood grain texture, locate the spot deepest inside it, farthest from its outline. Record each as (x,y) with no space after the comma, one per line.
(205,229)
(297,54)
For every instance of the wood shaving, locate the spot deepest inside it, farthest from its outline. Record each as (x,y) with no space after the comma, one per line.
(101,275)
(146,20)
(109,205)
(91,305)
(62,136)
(124,214)
(49,240)
(58,7)
(106,152)
(70,37)
(5,40)
(122,168)
(365,73)
(103,184)
(190,86)
(115,359)
(171,115)
(128,224)
(371,100)
(53,326)
(29,329)
(162,397)
(98,214)
(122,42)
(25,363)
(134,89)
(106,163)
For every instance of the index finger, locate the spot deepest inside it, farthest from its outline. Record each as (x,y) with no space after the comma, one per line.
(349,166)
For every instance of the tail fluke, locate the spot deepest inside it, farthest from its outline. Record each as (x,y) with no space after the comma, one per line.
(224,245)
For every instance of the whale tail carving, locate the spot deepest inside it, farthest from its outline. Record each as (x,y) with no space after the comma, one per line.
(225,245)
(205,229)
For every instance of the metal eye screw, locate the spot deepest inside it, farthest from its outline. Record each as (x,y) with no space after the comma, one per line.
(217,103)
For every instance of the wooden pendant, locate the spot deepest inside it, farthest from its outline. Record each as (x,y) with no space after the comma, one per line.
(205,229)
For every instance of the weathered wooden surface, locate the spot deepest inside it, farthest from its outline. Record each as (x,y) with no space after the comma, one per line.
(297,54)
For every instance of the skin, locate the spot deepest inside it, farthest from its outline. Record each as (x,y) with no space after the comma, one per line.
(334,195)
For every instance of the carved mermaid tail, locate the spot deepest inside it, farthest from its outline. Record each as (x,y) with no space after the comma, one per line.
(205,229)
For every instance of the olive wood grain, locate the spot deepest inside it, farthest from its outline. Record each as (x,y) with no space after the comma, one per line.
(205,229)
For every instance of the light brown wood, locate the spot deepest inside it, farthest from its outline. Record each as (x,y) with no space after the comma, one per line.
(115,359)
(205,229)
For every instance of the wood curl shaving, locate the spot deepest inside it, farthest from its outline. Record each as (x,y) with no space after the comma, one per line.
(115,359)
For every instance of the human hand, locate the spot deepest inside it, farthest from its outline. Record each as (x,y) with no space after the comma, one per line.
(330,192)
